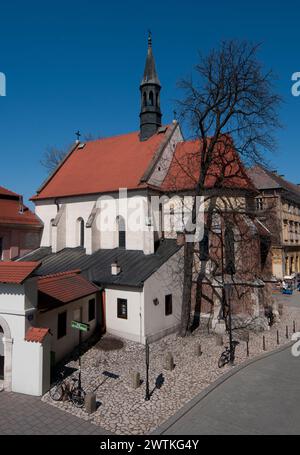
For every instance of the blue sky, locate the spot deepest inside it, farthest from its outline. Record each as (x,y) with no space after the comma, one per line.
(77,65)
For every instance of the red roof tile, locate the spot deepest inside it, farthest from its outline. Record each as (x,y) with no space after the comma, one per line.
(36,334)
(10,214)
(6,192)
(16,272)
(64,287)
(103,165)
(225,171)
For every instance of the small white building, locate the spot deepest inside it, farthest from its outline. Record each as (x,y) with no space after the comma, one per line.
(35,323)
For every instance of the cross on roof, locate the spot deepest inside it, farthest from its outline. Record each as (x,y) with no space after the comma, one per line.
(78,135)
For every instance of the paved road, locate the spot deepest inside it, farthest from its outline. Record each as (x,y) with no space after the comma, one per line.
(290,300)
(23,414)
(262,398)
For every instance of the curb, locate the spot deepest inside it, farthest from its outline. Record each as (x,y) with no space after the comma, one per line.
(198,398)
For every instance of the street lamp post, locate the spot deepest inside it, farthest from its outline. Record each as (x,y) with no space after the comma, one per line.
(228,302)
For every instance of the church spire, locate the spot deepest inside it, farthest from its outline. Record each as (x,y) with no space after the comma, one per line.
(150,116)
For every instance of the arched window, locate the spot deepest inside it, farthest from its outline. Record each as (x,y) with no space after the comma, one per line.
(121,231)
(80,232)
(151,99)
(144,99)
(157,99)
(229,251)
(204,246)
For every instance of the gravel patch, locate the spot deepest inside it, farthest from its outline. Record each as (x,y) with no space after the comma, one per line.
(123,410)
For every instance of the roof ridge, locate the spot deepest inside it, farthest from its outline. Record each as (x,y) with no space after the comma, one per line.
(60,274)
(11,193)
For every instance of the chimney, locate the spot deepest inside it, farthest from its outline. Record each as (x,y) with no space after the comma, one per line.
(115,268)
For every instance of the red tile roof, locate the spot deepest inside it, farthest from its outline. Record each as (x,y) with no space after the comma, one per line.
(64,287)
(10,210)
(225,170)
(16,272)
(10,214)
(36,334)
(103,165)
(6,192)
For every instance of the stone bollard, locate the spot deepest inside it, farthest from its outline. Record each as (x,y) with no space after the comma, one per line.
(198,350)
(135,379)
(90,402)
(280,309)
(219,340)
(169,362)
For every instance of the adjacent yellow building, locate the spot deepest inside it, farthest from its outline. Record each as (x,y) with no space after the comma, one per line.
(278,205)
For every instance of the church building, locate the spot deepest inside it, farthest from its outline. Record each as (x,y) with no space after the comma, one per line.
(106,258)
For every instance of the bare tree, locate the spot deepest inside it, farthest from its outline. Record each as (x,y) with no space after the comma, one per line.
(229,103)
(53,156)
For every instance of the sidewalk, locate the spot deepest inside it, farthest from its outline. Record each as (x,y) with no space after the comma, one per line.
(260,398)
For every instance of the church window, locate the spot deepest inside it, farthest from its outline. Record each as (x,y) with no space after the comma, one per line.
(229,251)
(80,230)
(121,231)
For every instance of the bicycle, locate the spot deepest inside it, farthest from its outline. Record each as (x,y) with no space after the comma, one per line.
(225,356)
(64,389)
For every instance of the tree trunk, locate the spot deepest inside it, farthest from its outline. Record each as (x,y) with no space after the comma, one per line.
(187,287)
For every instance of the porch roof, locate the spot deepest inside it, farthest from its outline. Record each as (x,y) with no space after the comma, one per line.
(62,288)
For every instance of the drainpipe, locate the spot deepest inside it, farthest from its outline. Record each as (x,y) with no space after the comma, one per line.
(141,327)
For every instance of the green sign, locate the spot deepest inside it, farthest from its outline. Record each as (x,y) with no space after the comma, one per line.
(80,326)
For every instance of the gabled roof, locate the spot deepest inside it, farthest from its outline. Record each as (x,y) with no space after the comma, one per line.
(16,272)
(225,171)
(10,213)
(61,288)
(135,265)
(264,179)
(103,166)
(36,334)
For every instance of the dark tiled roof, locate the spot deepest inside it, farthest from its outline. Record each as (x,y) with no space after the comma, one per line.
(136,267)
(264,179)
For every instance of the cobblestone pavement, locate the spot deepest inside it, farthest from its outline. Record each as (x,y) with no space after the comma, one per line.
(123,410)
(23,414)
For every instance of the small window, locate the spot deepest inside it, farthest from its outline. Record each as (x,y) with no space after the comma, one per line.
(62,325)
(259,203)
(92,309)
(122,231)
(155,302)
(122,308)
(168,304)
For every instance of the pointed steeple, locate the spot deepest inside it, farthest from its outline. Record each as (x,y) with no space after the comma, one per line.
(150,74)
(150,116)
